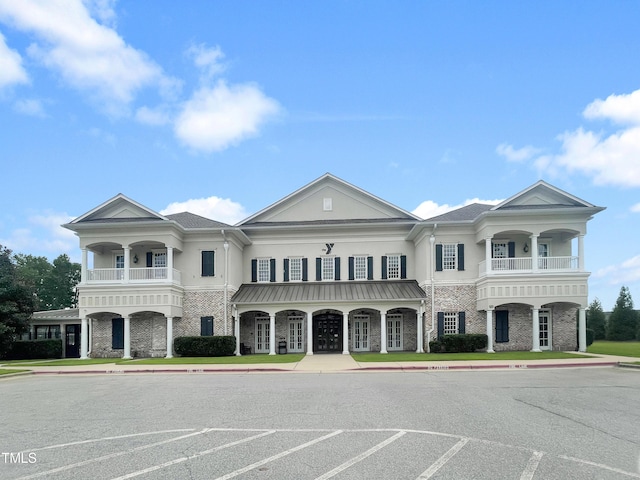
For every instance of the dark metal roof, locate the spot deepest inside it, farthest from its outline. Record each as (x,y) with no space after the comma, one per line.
(313,292)
(57,315)
(191,220)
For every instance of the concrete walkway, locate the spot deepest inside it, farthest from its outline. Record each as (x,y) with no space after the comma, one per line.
(330,363)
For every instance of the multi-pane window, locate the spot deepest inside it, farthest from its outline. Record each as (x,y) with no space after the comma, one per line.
(449,256)
(450,322)
(295,269)
(393,266)
(328,268)
(360,267)
(500,250)
(264,269)
(119,260)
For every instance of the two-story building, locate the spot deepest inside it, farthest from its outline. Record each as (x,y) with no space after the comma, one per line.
(333,268)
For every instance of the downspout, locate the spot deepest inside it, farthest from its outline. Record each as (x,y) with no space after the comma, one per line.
(90,333)
(432,242)
(226,282)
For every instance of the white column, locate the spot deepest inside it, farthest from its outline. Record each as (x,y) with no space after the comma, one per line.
(170,264)
(420,330)
(84,338)
(309,333)
(581,253)
(127,337)
(487,254)
(169,337)
(272,334)
(582,330)
(490,331)
(536,330)
(534,252)
(383,332)
(127,260)
(345,334)
(236,329)
(83,265)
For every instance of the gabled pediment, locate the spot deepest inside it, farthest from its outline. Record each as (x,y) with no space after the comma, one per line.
(119,209)
(542,195)
(328,199)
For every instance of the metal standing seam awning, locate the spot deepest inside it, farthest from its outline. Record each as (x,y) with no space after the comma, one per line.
(328,292)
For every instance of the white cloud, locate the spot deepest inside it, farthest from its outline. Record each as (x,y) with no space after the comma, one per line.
(30,106)
(153,116)
(220,116)
(516,155)
(11,70)
(429,208)
(621,274)
(43,236)
(635,208)
(220,209)
(207,59)
(623,109)
(89,56)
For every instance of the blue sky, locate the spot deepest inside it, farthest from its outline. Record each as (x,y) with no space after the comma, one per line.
(225,107)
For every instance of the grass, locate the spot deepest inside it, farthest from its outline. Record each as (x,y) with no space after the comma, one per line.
(64,362)
(436,357)
(243,360)
(623,349)
(5,371)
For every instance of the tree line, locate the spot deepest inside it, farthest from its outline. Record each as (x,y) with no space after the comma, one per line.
(28,284)
(621,325)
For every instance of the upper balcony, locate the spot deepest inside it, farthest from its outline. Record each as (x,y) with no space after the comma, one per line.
(520,265)
(119,276)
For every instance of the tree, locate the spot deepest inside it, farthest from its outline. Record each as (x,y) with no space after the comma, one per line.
(16,302)
(32,272)
(624,319)
(596,320)
(53,285)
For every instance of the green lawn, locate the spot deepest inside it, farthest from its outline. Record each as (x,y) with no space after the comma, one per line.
(64,362)
(5,371)
(624,349)
(243,360)
(435,357)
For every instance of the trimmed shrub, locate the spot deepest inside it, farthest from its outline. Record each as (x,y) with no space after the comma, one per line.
(35,349)
(463,342)
(216,346)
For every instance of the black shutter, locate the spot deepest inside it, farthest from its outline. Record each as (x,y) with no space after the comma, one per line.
(439,257)
(461,256)
(208,263)
(512,249)
(206,326)
(461,322)
(351,269)
(117,333)
(286,270)
(403,266)
(305,270)
(440,325)
(149,259)
(318,269)
(502,326)
(369,268)
(384,267)
(336,272)
(272,270)
(254,270)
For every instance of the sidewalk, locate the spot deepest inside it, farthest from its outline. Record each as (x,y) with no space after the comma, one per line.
(331,363)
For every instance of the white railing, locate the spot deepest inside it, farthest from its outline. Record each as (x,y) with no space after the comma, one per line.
(525,265)
(136,275)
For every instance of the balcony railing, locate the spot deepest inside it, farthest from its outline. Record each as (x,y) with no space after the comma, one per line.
(136,275)
(525,265)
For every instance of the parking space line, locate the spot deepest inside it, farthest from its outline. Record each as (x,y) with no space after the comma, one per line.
(195,455)
(429,472)
(277,456)
(360,457)
(532,466)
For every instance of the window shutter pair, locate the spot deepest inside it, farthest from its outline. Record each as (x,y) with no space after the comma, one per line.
(254,270)
(439,267)
(461,323)
(206,326)
(352,274)
(304,270)
(336,269)
(208,263)
(403,267)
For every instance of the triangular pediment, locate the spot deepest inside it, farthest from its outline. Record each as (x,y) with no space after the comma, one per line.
(328,199)
(542,195)
(119,209)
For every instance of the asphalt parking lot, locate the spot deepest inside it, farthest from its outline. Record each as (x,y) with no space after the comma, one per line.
(547,424)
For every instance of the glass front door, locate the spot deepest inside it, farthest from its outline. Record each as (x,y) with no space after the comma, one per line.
(295,341)
(394,332)
(545,329)
(262,335)
(361,333)
(327,333)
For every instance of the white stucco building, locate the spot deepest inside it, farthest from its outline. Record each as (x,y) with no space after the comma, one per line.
(333,268)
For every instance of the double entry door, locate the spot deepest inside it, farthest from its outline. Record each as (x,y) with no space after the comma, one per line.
(327,333)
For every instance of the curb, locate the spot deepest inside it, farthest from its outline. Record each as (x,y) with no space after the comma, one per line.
(490,367)
(628,365)
(164,371)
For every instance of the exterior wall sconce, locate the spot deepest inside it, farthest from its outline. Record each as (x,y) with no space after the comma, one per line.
(135,258)
(526,247)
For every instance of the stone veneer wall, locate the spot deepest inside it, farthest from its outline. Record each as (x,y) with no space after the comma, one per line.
(148,336)
(205,303)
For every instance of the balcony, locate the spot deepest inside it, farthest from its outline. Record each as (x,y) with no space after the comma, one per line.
(519,265)
(104,276)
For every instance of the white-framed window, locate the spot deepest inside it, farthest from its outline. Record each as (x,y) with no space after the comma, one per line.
(500,250)
(327,204)
(543,250)
(394,331)
(449,256)
(328,268)
(361,333)
(295,269)
(119,260)
(264,269)
(450,323)
(393,266)
(360,267)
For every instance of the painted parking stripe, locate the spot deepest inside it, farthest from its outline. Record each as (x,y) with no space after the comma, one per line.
(277,456)
(429,472)
(195,455)
(360,457)
(532,466)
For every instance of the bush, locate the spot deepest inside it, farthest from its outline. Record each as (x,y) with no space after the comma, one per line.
(463,342)
(216,346)
(34,349)
(591,336)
